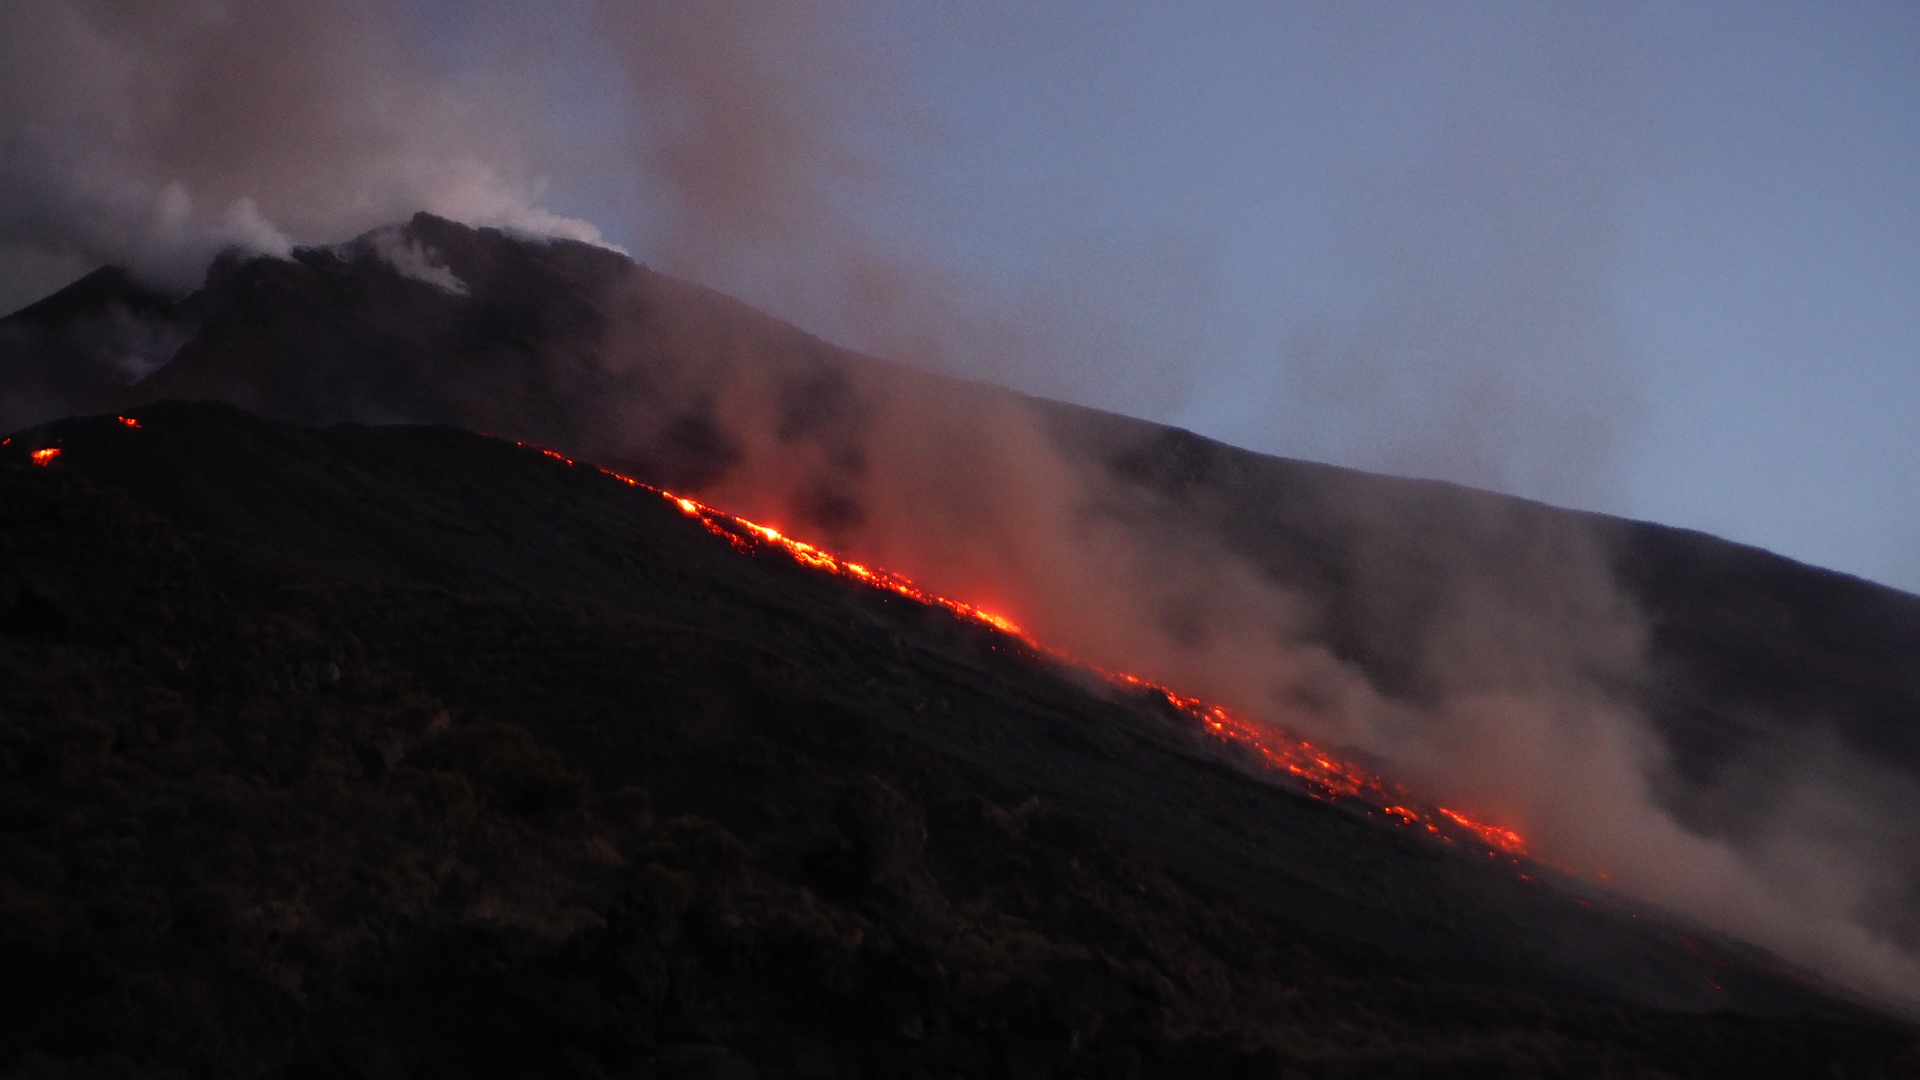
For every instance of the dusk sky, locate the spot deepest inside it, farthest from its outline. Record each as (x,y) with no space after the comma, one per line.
(1653,259)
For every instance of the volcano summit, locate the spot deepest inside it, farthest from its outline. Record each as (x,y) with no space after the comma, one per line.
(384,720)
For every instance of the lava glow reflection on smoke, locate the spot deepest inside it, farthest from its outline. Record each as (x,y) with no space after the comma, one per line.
(1313,770)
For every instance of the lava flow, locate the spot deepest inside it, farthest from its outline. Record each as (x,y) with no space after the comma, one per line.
(1327,777)
(45,457)
(1313,770)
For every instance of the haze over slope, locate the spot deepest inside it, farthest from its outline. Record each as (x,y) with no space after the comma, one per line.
(1717,729)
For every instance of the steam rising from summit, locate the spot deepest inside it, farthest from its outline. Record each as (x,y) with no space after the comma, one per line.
(155,134)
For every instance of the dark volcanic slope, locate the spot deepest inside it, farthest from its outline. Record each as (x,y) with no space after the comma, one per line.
(82,349)
(260,820)
(436,506)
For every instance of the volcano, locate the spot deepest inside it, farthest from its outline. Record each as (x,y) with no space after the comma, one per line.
(392,689)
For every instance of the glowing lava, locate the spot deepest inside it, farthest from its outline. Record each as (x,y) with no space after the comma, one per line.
(1313,770)
(746,536)
(45,457)
(1328,777)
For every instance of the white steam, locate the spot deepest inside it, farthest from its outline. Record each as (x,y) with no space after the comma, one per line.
(412,259)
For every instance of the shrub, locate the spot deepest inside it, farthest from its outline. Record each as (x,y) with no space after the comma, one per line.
(515,772)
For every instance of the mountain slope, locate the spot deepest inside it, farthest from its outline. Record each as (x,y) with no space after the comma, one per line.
(267,816)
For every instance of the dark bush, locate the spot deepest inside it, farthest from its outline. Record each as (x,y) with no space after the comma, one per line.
(513,770)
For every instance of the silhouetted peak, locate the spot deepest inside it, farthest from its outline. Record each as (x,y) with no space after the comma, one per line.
(487,259)
(89,296)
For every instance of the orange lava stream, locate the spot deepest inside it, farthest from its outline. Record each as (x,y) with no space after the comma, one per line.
(1328,777)
(1315,771)
(1318,773)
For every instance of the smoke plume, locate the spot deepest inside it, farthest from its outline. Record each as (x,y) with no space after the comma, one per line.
(155,134)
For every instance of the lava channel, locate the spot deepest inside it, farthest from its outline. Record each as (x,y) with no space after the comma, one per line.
(1317,772)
